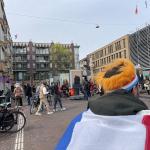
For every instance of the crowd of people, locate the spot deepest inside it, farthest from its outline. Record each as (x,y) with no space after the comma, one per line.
(45,90)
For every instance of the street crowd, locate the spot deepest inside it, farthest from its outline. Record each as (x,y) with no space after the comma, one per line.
(47,94)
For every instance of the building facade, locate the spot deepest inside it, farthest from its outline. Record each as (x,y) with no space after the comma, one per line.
(39,61)
(105,55)
(6,75)
(135,47)
(140,47)
(30,61)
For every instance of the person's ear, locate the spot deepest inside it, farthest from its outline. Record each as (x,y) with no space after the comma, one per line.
(135,91)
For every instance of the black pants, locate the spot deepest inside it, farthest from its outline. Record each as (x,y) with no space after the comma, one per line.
(19,101)
(57,99)
(28,99)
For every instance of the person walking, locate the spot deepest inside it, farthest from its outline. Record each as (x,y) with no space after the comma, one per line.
(28,93)
(57,97)
(86,88)
(147,85)
(18,92)
(43,99)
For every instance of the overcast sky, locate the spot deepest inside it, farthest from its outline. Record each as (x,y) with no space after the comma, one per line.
(67,21)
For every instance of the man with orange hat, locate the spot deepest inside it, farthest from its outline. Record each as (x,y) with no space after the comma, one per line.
(115,121)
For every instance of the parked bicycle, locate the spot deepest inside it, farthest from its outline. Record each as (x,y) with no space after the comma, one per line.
(11,119)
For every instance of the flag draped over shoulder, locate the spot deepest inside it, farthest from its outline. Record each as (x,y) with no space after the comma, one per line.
(89,131)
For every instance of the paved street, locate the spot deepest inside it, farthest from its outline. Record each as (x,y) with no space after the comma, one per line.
(43,132)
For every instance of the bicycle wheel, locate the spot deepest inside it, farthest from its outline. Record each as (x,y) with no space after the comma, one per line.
(33,108)
(7,123)
(19,121)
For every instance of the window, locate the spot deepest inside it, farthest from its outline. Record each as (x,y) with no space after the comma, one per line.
(111,47)
(47,51)
(28,49)
(109,59)
(33,49)
(50,65)
(19,66)
(37,51)
(28,65)
(28,57)
(24,66)
(119,54)
(18,58)
(105,51)
(33,65)
(104,60)
(33,57)
(20,75)
(125,55)
(119,45)
(42,66)
(124,43)
(112,57)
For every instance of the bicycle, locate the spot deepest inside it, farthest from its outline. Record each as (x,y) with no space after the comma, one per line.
(11,119)
(34,103)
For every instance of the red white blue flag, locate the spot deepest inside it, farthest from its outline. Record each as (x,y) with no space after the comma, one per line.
(89,131)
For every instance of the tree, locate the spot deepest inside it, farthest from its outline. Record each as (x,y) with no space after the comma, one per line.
(62,58)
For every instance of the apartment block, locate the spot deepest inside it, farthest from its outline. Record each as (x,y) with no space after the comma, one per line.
(37,61)
(6,75)
(105,55)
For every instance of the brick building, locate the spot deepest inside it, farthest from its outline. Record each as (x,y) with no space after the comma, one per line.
(35,61)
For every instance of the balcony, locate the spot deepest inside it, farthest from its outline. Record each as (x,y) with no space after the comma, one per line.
(43,69)
(19,69)
(42,61)
(20,61)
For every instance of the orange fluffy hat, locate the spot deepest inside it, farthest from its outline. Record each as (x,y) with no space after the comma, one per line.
(120,74)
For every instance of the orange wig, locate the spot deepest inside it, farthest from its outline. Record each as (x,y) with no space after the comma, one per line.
(116,75)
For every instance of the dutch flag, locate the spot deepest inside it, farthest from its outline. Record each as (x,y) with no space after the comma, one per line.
(89,131)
